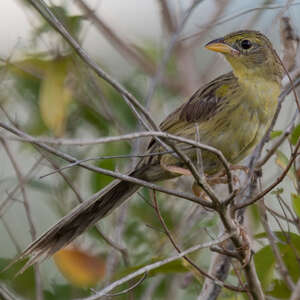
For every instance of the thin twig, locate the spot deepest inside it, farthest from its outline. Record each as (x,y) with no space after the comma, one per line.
(47,14)
(278,215)
(37,275)
(139,282)
(155,265)
(281,265)
(119,44)
(27,177)
(277,144)
(131,136)
(237,15)
(11,236)
(111,243)
(118,175)
(274,184)
(296,293)
(106,157)
(172,240)
(168,19)
(162,65)
(7,294)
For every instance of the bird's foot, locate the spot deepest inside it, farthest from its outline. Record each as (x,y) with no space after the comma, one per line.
(239,168)
(245,249)
(199,192)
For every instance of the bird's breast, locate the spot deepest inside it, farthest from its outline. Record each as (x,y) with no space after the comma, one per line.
(260,96)
(241,122)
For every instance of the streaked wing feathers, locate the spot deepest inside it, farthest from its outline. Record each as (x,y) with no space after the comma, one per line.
(202,105)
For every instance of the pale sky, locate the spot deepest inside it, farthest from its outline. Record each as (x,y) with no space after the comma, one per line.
(135,20)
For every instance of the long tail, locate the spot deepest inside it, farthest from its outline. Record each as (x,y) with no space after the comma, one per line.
(78,220)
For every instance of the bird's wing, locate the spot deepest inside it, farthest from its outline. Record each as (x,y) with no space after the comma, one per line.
(203,104)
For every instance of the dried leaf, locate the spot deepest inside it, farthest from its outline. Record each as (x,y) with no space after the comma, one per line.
(80,268)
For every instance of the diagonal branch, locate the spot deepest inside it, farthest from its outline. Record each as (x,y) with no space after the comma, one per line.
(119,44)
(217,281)
(154,266)
(118,175)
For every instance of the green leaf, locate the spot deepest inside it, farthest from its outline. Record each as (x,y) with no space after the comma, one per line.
(277,191)
(275,133)
(279,290)
(72,23)
(94,119)
(140,210)
(59,292)
(288,253)
(255,216)
(65,292)
(293,237)
(295,135)
(172,267)
(290,260)
(98,181)
(23,284)
(175,266)
(265,264)
(296,203)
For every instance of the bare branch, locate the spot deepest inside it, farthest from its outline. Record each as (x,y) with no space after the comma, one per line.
(172,240)
(7,294)
(239,14)
(71,159)
(274,184)
(26,178)
(130,288)
(46,13)
(162,65)
(155,265)
(281,265)
(168,19)
(37,275)
(119,44)
(111,243)
(296,292)
(290,41)
(11,236)
(219,267)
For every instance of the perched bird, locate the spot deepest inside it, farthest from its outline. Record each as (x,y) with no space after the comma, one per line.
(232,113)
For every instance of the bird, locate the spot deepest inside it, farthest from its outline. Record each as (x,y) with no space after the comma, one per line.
(231,113)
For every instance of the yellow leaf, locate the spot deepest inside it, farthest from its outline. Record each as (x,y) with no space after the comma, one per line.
(80,268)
(29,67)
(55,96)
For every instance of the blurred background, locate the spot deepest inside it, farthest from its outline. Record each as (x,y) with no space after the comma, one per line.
(46,90)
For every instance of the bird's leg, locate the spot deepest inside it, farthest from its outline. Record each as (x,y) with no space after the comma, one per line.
(168,163)
(221,177)
(213,180)
(245,248)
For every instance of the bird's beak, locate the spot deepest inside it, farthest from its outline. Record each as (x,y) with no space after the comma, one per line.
(219,45)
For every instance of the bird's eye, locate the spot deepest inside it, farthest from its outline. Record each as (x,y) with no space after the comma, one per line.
(246,44)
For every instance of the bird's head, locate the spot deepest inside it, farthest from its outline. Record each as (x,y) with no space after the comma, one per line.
(250,53)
